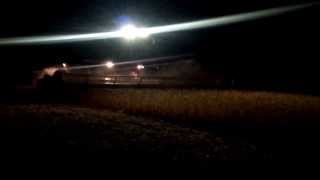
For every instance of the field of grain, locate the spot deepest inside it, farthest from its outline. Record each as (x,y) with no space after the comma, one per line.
(238,107)
(161,124)
(30,130)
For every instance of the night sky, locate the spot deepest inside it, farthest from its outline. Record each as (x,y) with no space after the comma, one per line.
(284,45)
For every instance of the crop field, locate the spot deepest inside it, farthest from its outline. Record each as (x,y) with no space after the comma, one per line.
(162,125)
(211,106)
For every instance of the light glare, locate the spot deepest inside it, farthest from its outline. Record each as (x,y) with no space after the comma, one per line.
(109,64)
(64,65)
(131,32)
(140,67)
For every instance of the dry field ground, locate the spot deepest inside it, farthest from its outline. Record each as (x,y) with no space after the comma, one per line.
(162,125)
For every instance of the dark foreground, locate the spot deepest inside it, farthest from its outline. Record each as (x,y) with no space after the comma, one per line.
(42,129)
(55,128)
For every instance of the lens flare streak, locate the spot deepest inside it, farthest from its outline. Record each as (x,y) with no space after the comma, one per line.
(213,22)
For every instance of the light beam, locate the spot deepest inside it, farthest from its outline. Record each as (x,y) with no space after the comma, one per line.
(213,22)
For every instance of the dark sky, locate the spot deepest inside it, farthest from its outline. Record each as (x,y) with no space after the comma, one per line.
(270,42)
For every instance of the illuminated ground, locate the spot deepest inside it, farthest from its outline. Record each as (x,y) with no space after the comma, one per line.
(112,124)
